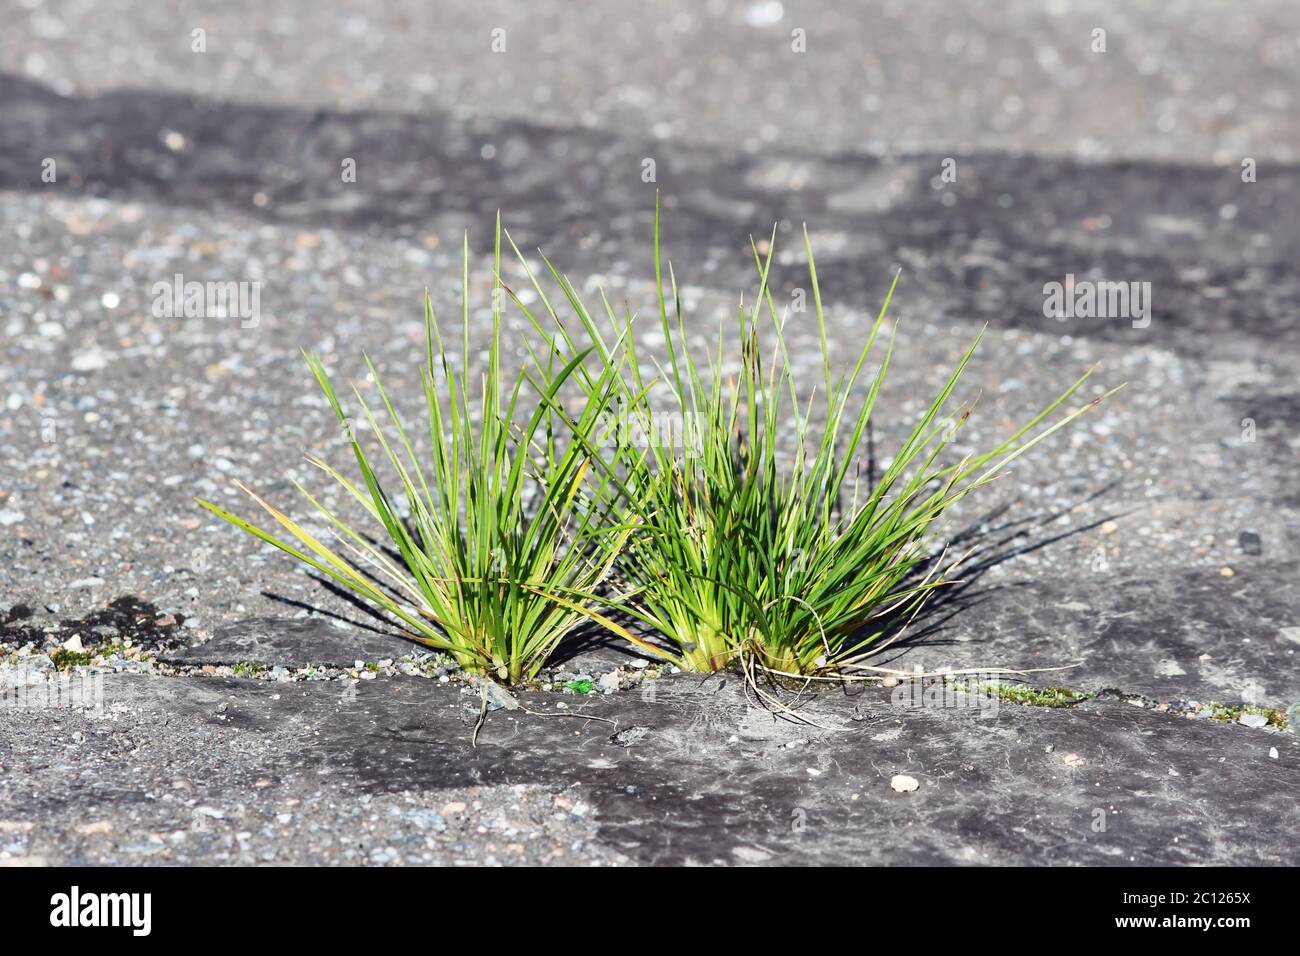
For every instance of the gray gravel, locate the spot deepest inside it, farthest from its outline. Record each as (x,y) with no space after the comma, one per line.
(213,770)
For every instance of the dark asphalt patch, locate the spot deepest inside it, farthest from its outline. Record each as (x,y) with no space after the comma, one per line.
(1219,253)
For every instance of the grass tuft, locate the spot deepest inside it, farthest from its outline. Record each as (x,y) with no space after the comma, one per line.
(486,554)
(761,538)
(736,509)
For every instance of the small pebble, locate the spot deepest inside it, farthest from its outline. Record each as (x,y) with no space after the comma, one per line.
(903,783)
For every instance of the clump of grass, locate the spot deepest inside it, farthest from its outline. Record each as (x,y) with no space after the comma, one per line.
(489,555)
(740,557)
(749,535)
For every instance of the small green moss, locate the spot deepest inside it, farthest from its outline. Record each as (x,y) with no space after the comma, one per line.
(372,667)
(134,652)
(1275,716)
(1054,696)
(65,659)
(579,686)
(249,668)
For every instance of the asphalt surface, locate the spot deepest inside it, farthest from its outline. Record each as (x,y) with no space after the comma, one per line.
(1154,547)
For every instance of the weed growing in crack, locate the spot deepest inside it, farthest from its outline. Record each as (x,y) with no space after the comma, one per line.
(737,558)
(734,548)
(488,555)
